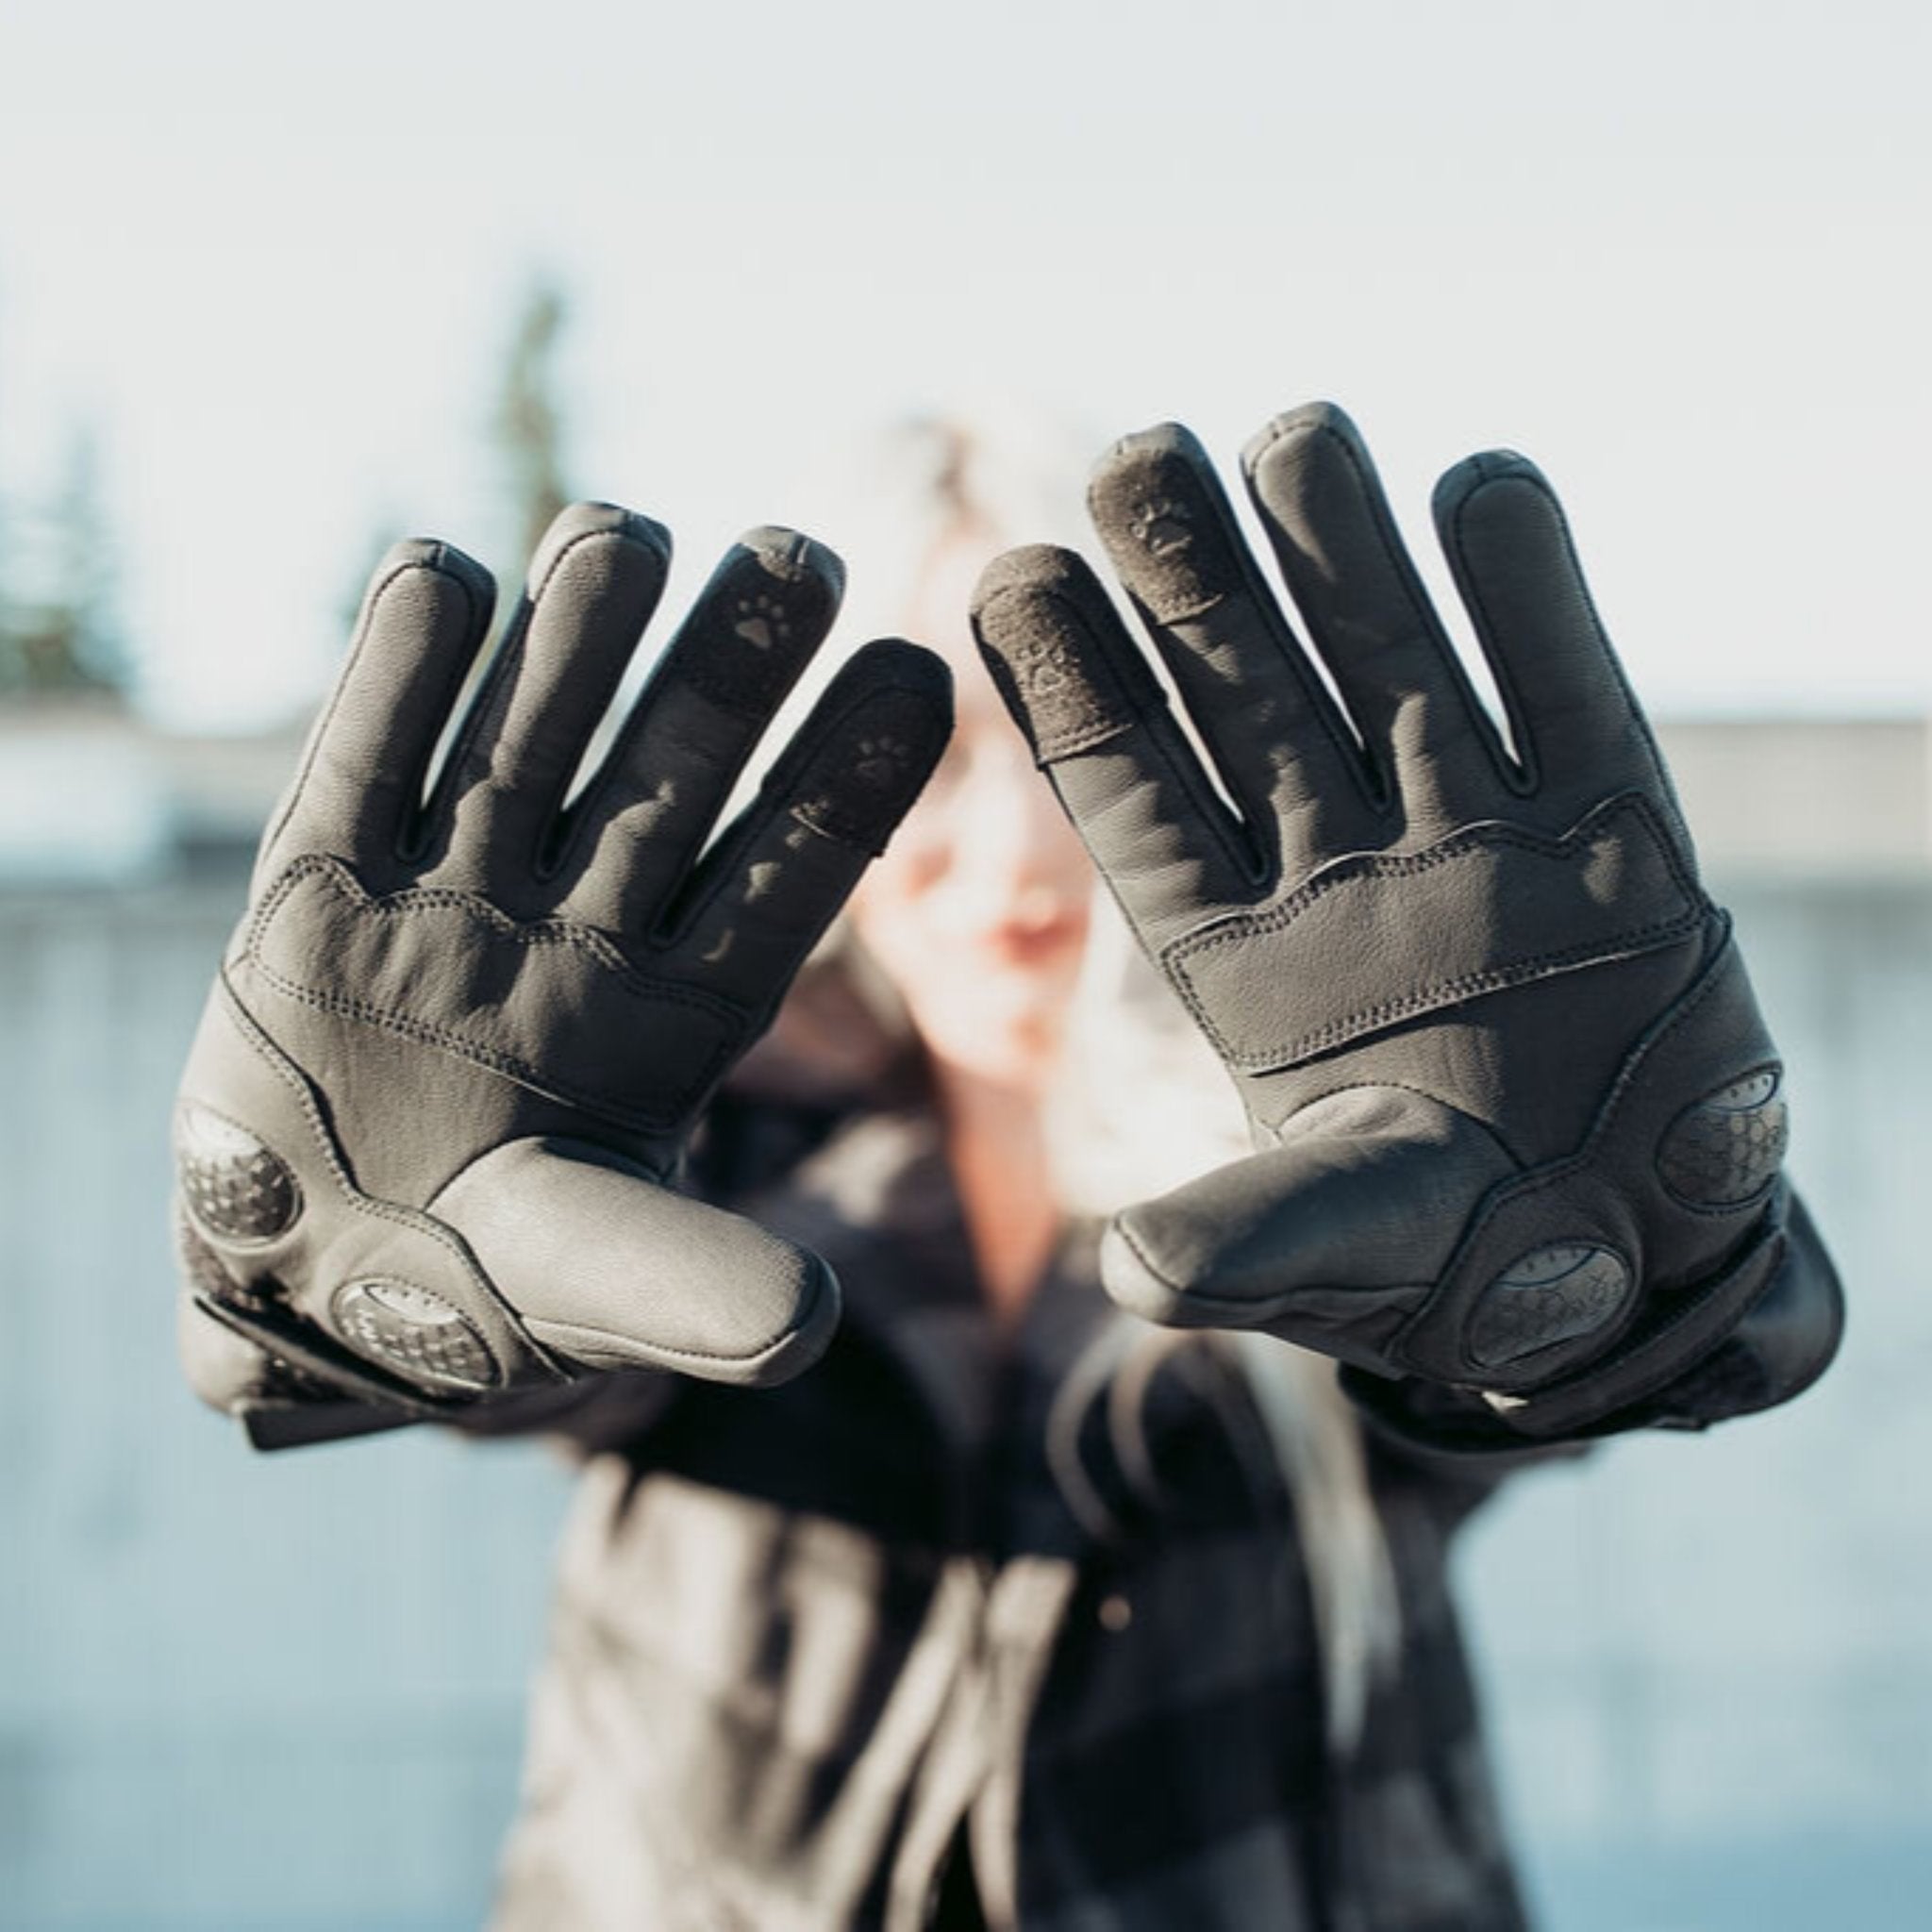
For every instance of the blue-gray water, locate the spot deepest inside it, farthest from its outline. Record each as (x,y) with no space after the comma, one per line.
(249,1695)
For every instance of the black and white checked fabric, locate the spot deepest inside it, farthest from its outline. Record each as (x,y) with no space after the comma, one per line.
(815,1646)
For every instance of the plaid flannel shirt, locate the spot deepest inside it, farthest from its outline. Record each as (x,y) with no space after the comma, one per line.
(862,1652)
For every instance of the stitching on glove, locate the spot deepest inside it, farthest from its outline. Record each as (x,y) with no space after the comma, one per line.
(1509,1194)
(608,684)
(571,1330)
(264,1049)
(1502,669)
(584,940)
(1461,1114)
(1584,1157)
(535,932)
(1421,610)
(1473,600)
(1448,991)
(509,1065)
(452,682)
(1394,552)
(499,685)
(1409,864)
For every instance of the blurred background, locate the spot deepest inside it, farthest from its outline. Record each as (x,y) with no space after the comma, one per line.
(277,286)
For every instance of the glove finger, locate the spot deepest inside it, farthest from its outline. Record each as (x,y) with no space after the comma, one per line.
(645,816)
(1299,1238)
(360,788)
(1099,726)
(594,583)
(1574,719)
(614,1271)
(1287,755)
(761,899)
(1331,529)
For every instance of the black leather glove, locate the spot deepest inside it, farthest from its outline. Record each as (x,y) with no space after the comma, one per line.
(1520,1122)
(427,1130)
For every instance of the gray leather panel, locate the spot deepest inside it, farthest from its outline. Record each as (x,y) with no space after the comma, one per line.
(1372,940)
(449,969)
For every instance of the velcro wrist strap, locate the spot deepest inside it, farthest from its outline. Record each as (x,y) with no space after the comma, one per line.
(1676,1331)
(305,1349)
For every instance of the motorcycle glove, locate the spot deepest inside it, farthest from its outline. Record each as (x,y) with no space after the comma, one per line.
(428,1131)
(1519,1126)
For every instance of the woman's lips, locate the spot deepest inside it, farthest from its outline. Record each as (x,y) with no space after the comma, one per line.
(1031,942)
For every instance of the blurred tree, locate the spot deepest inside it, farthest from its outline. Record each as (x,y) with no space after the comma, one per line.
(60,629)
(529,420)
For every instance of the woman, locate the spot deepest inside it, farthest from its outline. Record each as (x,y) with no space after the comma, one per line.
(812,1643)
(1012,1610)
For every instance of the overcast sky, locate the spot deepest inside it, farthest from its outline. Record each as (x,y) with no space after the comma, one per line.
(1675,251)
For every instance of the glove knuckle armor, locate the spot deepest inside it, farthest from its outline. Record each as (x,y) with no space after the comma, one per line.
(1727,1148)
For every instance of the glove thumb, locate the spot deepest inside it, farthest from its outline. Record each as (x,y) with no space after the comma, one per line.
(1331,1239)
(611,1268)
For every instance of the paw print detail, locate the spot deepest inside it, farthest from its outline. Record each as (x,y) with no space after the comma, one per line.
(1042,665)
(761,621)
(882,761)
(1068,705)
(1162,525)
